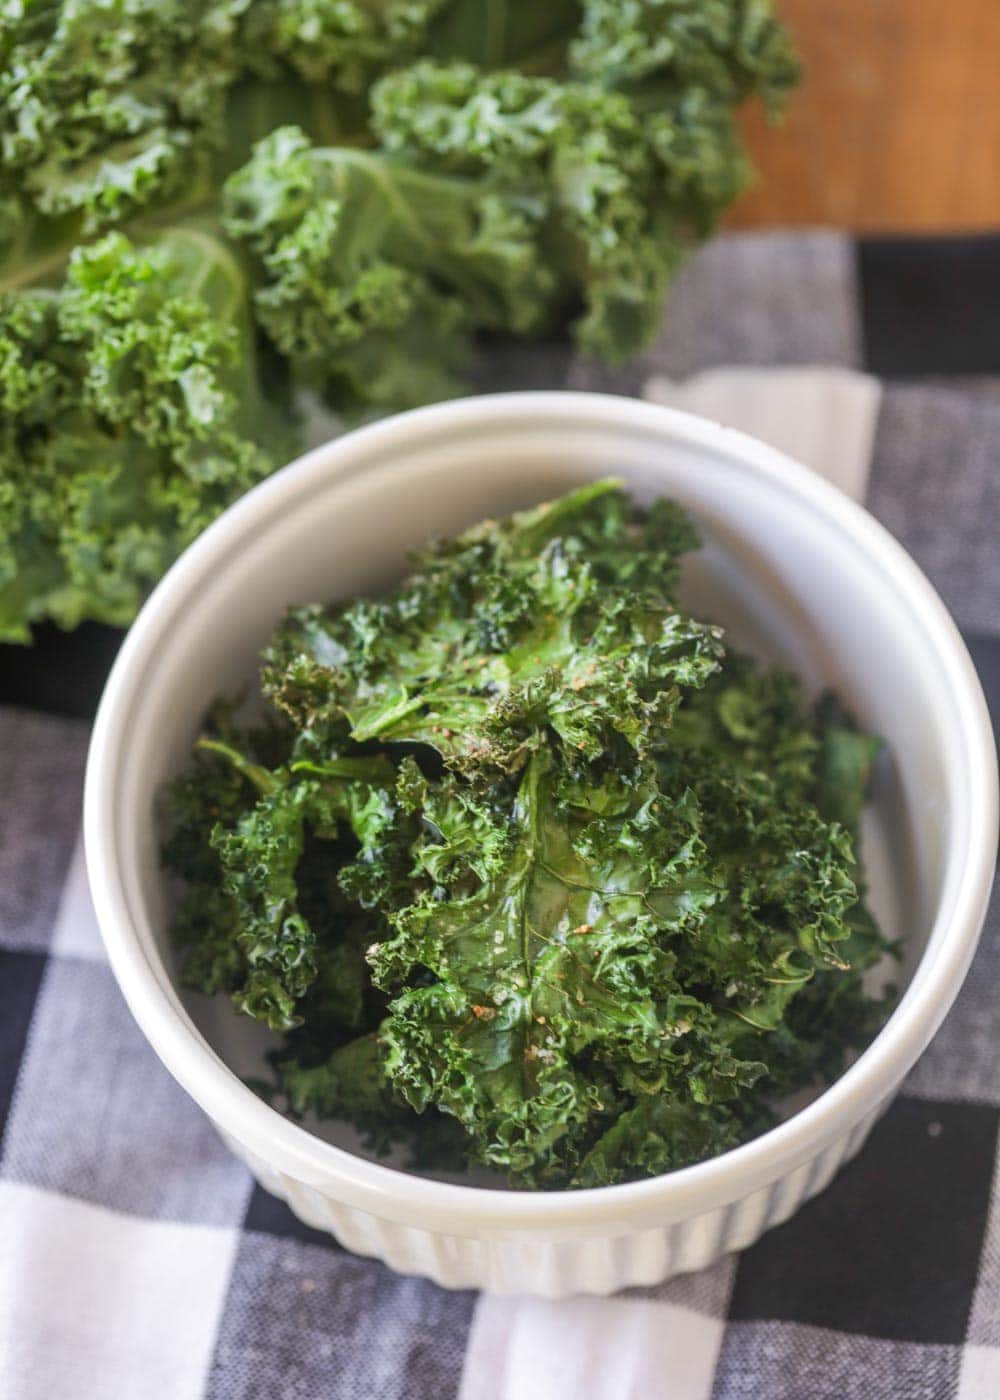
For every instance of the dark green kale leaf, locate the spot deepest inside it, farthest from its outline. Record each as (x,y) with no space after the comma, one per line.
(558,621)
(554,998)
(271,893)
(844,764)
(626,939)
(535,853)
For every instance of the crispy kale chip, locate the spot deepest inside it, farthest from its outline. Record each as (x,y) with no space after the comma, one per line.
(528,848)
(554,623)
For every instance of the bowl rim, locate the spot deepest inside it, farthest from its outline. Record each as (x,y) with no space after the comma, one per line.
(390,1193)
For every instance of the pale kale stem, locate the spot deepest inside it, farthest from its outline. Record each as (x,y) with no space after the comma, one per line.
(25,270)
(263,780)
(388,718)
(402,709)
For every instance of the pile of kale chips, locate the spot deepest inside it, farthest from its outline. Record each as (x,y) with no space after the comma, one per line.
(212,210)
(529,870)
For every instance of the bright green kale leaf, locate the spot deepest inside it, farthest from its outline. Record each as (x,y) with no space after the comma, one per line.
(580,154)
(107,108)
(132,414)
(377,186)
(532,851)
(373,273)
(727,47)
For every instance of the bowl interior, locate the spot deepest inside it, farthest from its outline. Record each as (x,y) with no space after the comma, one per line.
(786,581)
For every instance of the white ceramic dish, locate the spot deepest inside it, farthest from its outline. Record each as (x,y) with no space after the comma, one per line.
(798,572)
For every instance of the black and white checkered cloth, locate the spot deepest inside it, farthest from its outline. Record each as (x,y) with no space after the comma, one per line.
(138,1261)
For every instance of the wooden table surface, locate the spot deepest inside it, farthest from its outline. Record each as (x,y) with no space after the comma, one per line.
(896,126)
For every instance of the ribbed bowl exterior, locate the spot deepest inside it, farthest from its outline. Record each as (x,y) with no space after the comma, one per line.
(560,1267)
(826,575)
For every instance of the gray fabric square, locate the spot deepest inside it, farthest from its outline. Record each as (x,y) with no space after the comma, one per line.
(743,299)
(707,1291)
(750,299)
(95,1114)
(786,1361)
(935,483)
(984,1317)
(304,1321)
(42,760)
(960,1064)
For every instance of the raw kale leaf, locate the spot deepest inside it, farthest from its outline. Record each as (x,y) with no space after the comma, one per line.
(373,274)
(529,849)
(348,196)
(132,414)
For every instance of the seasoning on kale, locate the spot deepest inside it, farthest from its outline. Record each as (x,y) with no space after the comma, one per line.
(529,848)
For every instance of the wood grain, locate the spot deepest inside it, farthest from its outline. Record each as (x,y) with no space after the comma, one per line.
(896,126)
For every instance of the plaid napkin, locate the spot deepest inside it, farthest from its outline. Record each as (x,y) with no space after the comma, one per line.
(138,1261)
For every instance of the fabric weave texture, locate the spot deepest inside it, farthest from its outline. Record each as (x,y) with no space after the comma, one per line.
(138,1260)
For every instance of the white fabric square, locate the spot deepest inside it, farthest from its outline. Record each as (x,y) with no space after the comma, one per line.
(75,933)
(98,1306)
(979,1377)
(96,1115)
(825,418)
(622,1348)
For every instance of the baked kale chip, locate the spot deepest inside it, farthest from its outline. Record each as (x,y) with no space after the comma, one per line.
(526,846)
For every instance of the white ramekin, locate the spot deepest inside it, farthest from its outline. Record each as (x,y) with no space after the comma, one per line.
(790,560)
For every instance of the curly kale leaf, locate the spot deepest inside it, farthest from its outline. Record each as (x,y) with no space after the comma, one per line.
(825,764)
(493,201)
(261,860)
(729,48)
(206,920)
(107,109)
(620,955)
(103,105)
(558,622)
(846,757)
(399,179)
(551,1001)
(281,864)
(534,852)
(131,416)
(583,155)
(371,270)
